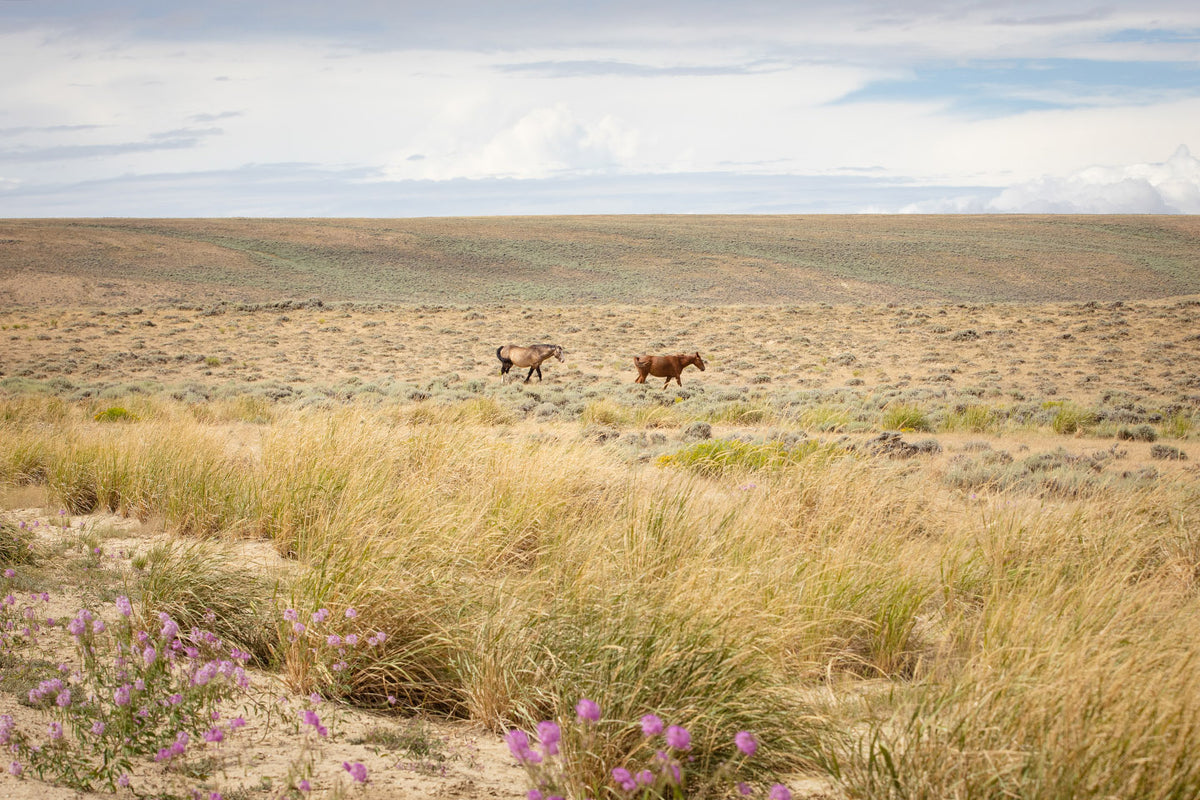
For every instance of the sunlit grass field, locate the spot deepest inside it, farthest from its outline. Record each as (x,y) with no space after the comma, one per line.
(884,621)
(922,549)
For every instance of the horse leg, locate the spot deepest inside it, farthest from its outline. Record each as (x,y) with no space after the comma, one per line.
(539,371)
(668,383)
(530,375)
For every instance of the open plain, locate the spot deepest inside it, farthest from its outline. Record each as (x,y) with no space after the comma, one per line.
(928,523)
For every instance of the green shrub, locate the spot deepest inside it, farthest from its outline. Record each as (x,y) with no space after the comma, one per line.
(719,456)
(739,413)
(1179,425)
(825,418)
(1167,452)
(973,418)
(905,417)
(1070,418)
(1142,433)
(115,414)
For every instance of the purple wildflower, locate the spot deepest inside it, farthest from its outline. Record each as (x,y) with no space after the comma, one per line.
(311,718)
(56,731)
(170,628)
(10,573)
(518,744)
(304,785)
(98,728)
(149,655)
(779,792)
(622,778)
(123,780)
(15,768)
(215,735)
(64,698)
(587,710)
(746,742)
(357,770)
(644,778)
(351,613)
(290,614)
(651,725)
(533,794)
(744,789)
(121,696)
(550,735)
(678,738)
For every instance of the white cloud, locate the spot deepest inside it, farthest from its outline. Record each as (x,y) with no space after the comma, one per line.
(545,142)
(1170,187)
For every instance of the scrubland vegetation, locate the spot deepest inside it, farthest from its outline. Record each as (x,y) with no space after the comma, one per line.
(981,626)
(921,550)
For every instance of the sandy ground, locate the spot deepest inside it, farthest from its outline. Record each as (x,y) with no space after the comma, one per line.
(463,762)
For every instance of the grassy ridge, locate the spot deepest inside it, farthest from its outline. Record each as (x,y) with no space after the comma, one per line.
(626,259)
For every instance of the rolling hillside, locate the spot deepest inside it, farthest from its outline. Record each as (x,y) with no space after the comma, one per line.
(566,260)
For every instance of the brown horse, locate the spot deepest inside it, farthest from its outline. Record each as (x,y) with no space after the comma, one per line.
(665,366)
(531,357)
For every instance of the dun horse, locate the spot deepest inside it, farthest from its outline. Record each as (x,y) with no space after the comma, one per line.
(665,366)
(532,357)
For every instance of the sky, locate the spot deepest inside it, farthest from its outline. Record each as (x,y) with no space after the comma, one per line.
(378,108)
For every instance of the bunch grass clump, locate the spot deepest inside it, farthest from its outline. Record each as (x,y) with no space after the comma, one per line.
(1069,418)
(201,584)
(721,456)
(973,418)
(115,414)
(905,417)
(18,544)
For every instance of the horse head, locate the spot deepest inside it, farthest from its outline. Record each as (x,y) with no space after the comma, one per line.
(558,352)
(695,359)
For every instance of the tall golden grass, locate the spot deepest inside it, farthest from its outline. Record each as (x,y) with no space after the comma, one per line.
(860,616)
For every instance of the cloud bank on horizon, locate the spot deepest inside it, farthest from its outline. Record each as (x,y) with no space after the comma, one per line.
(464,107)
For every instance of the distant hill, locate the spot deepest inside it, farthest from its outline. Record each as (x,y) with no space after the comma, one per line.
(603,259)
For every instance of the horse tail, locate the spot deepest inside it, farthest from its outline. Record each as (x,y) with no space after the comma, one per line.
(500,355)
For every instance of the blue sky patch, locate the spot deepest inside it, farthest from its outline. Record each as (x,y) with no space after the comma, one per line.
(1001,88)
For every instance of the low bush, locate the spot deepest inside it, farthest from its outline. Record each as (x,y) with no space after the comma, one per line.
(719,456)
(905,417)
